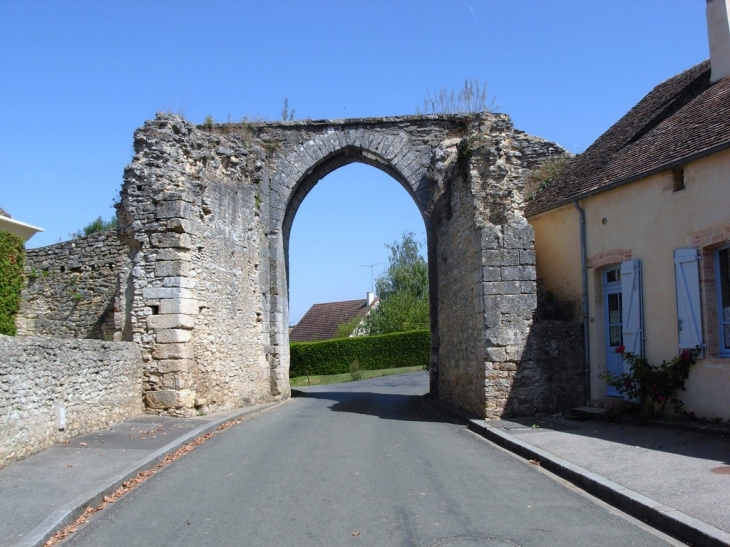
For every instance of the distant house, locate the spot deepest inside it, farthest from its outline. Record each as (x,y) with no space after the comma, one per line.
(322,320)
(20,229)
(640,223)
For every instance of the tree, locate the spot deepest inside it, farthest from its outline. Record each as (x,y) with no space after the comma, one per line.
(403,291)
(98,225)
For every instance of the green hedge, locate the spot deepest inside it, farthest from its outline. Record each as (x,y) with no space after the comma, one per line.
(12,258)
(402,349)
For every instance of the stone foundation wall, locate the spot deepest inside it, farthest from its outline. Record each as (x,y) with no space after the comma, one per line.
(71,288)
(551,377)
(94,383)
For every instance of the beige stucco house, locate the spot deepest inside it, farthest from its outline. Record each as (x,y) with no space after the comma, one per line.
(637,229)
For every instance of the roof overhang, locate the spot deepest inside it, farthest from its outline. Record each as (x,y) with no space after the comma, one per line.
(665,167)
(20,229)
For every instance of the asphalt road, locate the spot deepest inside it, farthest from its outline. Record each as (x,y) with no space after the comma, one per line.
(366,463)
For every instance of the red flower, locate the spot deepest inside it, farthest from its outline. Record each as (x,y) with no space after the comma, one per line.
(685,356)
(620,349)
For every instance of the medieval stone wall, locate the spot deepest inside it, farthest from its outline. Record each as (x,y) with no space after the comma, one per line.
(460,313)
(190,214)
(71,288)
(89,384)
(229,341)
(197,276)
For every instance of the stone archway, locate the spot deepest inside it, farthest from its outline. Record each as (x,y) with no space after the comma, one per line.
(206,213)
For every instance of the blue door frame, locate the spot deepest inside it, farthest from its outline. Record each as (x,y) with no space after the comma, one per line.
(612,304)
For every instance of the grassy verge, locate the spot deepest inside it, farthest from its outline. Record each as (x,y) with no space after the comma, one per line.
(340,378)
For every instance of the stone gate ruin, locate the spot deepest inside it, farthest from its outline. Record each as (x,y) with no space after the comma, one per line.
(201,263)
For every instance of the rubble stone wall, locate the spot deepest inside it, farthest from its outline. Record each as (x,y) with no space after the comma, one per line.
(71,288)
(89,384)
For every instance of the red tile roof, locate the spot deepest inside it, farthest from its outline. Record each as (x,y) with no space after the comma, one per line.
(322,320)
(680,120)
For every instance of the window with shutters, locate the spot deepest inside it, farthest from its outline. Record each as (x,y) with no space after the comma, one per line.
(689,312)
(632,316)
(722,280)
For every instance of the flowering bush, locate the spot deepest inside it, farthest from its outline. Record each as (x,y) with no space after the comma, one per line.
(653,386)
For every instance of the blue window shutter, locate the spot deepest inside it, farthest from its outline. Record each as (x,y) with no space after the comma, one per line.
(632,314)
(687,279)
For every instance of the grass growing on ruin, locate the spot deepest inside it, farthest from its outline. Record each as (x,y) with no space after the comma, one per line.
(347,377)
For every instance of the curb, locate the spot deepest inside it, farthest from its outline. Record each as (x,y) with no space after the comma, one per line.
(662,517)
(62,517)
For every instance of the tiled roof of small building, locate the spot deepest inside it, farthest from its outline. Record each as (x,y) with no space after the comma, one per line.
(682,119)
(3,213)
(322,320)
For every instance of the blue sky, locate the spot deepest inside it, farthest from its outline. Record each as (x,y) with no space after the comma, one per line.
(78,77)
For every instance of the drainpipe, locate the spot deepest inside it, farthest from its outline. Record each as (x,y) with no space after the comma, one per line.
(584,300)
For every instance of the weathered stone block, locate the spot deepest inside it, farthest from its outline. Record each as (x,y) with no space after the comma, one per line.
(172,268)
(502,287)
(171,240)
(170,209)
(502,336)
(491,237)
(501,258)
(170,321)
(518,236)
(170,336)
(175,350)
(527,258)
(176,380)
(495,354)
(165,366)
(519,273)
(186,306)
(184,398)
(491,273)
(173,254)
(156,293)
(179,225)
(184,282)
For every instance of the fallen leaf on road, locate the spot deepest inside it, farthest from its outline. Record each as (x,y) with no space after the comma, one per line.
(83,444)
(356,533)
(69,465)
(534,462)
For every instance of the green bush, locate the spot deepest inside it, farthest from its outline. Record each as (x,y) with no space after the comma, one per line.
(12,258)
(403,349)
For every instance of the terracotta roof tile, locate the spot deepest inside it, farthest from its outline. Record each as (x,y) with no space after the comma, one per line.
(681,119)
(322,320)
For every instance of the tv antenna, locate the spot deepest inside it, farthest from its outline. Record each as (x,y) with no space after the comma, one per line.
(372,267)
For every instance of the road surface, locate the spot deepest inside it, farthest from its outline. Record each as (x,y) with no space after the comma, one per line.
(368,463)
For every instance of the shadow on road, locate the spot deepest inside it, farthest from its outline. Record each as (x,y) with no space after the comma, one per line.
(387,406)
